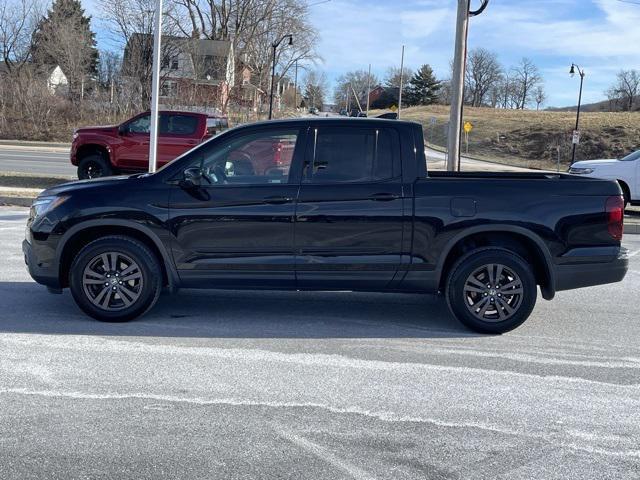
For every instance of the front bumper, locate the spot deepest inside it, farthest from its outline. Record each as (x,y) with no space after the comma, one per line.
(590,267)
(41,271)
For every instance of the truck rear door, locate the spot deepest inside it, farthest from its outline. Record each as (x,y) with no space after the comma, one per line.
(348,230)
(179,132)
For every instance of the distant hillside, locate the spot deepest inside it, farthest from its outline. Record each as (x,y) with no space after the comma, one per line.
(603,106)
(532,138)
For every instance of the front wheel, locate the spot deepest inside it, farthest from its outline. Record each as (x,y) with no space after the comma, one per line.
(491,291)
(94,166)
(115,279)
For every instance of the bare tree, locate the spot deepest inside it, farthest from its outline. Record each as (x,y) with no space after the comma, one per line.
(18,22)
(131,23)
(627,86)
(351,83)
(527,77)
(315,88)
(540,96)
(483,73)
(613,96)
(252,26)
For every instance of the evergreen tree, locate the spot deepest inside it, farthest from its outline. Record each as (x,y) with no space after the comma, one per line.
(64,38)
(424,88)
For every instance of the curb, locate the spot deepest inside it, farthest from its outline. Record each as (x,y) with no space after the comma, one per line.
(16,201)
(31,143)
(631,229)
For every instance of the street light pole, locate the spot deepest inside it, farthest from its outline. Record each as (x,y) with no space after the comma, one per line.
(155,88)
(275,46)
(575,67)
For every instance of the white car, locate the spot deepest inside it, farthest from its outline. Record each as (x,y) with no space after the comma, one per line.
(625,170)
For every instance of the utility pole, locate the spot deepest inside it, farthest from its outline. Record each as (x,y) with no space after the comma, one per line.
(401,79)
(457,80)
(369,90)
(155,88)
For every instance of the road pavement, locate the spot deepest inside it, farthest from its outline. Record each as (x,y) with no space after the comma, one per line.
(36,160)
(240,385)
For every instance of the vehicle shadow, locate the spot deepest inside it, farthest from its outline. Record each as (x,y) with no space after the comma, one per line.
(28,308)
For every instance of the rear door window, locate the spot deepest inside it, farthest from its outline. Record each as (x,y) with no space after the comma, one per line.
(349,155)
(178,125)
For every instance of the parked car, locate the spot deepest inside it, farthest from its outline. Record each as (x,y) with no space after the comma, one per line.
(351,206)
(112,150)
(626,171)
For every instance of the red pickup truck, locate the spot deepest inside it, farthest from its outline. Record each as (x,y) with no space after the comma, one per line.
(110,150)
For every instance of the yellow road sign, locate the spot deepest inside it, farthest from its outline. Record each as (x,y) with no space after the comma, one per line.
(393,108)
(468,127)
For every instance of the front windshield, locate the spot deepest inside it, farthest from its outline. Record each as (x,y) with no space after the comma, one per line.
(632,157)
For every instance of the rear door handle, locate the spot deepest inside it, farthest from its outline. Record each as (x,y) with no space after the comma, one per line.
(278,200)
(384,197)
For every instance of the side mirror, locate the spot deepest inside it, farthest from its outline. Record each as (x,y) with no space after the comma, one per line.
(192,178)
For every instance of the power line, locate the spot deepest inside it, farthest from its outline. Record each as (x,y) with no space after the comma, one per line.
(632,2)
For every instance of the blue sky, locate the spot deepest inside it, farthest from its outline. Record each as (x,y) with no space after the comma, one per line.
(602,36)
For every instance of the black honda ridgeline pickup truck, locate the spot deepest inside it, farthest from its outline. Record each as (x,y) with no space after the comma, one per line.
(327,204)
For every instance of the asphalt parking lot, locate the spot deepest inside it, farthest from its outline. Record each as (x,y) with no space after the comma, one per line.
(235,385)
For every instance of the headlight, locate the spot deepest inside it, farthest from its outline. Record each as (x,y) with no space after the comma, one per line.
(42,205)
(581,171)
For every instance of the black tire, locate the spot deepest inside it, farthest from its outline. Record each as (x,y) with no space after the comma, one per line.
(626,194)
(94,166)
(519,293)
(118,306)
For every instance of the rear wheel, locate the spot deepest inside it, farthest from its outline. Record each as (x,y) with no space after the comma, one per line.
(115,279)
(94,166)
(626,193)
(491,291)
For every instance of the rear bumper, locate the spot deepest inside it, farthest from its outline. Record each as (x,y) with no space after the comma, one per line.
(591,266)
(42,272)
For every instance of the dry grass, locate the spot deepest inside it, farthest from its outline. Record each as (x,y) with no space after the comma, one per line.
(532,138)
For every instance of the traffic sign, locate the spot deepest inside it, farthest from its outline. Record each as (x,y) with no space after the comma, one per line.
(576,137)
(393,108)
(468,127)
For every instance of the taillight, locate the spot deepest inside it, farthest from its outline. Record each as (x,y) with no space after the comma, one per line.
(615,216)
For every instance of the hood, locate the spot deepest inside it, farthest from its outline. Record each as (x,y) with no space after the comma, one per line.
(594,163)
(70,187)
(98,129)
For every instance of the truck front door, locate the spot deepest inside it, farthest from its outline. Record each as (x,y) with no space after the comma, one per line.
(349,217)
(236,230)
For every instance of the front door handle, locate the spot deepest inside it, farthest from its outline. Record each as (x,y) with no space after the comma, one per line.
(278,200)
(384,197)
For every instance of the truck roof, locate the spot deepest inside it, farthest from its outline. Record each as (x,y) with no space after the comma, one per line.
(334,120)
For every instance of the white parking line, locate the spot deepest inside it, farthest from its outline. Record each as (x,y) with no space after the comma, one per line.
(633,254)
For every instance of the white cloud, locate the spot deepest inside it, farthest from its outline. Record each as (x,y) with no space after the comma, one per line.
(601,35)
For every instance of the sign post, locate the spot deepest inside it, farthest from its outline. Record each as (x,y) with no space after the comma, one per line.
(468,127)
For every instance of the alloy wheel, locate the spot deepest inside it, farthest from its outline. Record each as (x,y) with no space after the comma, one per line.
(112,281)
(493,293)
